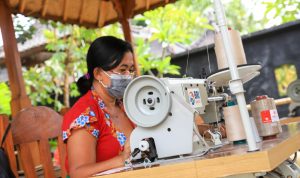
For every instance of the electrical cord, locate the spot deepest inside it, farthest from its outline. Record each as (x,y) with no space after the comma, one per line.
(292,161)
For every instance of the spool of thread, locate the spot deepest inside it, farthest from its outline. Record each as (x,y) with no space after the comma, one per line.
(265,114)
(234,126)
(237,47)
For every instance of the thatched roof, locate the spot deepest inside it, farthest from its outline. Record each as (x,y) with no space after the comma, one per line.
(88,13)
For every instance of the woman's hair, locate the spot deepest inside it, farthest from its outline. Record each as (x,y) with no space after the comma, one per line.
(105,52)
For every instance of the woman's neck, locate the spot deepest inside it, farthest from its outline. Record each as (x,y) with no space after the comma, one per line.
(102,92)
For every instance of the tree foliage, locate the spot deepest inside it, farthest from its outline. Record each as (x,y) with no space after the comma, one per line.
(175,23)
(69,44)
(172,24)
(241,19)
(178,23)
(282,11)
(5,96)
(148,62)
(23,31)
(48,81)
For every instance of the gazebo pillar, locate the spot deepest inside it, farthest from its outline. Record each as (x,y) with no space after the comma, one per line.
(12,60)
(128,37)
(19,99)
(124,10)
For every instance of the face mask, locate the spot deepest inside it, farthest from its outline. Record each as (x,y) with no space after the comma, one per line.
(118,84)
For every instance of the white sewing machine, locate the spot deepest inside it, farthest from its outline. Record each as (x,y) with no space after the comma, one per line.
(164,111)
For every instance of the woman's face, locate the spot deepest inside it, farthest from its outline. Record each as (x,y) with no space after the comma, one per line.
(126,67)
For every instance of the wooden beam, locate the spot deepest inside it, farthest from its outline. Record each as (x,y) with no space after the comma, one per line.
(120,8)
(81,11)
(128,37)
(12,59)
(127,30)
(45,6)
(22,6)
(128,8)
(278,102)
(124,9)
(147,4)
(66,3)
(103,7)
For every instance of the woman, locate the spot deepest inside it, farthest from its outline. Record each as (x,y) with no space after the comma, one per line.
(96,127)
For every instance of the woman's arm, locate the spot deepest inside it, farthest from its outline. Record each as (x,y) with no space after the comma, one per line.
(82,156)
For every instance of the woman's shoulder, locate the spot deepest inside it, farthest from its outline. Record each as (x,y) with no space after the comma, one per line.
(85,101)
(84,114)
(85,106)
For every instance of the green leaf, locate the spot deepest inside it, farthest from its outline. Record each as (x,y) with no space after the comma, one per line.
(5,96)
(50,35)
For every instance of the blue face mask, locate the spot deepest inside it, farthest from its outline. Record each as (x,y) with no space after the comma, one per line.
(118,84)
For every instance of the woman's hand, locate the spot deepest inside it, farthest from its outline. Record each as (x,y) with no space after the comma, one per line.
(82,159)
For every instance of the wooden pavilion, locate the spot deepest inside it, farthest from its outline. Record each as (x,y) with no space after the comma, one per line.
(88,13)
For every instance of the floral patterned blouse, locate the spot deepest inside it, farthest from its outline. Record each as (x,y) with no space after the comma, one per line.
(89,112)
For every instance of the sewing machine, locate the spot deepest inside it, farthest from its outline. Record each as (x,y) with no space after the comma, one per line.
(164,111)
(293,91)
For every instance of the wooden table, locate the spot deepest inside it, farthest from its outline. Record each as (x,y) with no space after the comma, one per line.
(287,120)
(228,160)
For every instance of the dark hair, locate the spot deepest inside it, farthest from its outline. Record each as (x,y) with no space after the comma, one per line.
(105,52)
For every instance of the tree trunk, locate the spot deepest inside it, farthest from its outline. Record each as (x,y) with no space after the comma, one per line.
(66,81)
(66,90)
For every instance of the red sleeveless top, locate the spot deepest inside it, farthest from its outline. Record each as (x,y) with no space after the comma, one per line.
(89,112)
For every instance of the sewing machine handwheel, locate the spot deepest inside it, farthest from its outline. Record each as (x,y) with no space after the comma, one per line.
(147,101)
(293,90)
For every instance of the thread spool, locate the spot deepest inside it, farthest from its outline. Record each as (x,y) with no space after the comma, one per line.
(234,126)
(265,114)
(237,47)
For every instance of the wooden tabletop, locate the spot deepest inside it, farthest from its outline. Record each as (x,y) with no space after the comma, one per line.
(228,160)
(287,120)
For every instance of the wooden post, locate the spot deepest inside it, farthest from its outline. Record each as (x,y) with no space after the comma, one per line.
(126,30)
(125,11)
(19,99)
(8,144)
(128,37)
(12,60)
